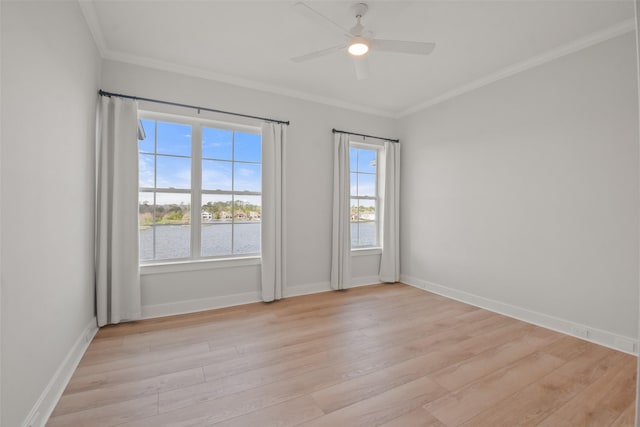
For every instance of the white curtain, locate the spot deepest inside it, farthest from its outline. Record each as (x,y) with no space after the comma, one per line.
(390,259)
(341,238)
(273,213)
(117,269)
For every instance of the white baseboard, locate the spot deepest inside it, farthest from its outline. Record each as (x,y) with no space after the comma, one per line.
(594,335)
(202,304)
(314,288)
(365,281)
(306,289)
(46,403)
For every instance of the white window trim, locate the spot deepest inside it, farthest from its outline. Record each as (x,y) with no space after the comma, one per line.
(196,261)
(379,147)
(196,265)
(368,251)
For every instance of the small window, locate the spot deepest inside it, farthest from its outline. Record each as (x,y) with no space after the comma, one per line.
(364,196)
(200,190)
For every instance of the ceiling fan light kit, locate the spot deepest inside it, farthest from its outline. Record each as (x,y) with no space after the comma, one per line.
(358,46)
(359,42)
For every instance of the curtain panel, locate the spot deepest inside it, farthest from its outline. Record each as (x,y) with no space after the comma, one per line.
(116,255)
(273,212)
(390,258)
(341,234)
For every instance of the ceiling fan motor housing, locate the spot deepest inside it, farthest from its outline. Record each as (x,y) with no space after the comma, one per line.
(360,9)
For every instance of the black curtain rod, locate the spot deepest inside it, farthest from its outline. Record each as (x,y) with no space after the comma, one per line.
(195,107)
(366,136)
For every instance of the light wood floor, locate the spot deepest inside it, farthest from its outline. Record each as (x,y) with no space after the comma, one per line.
(386,355)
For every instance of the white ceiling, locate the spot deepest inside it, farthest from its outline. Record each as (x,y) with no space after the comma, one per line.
(251,43)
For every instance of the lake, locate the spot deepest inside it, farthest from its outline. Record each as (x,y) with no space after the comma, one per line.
(220,238)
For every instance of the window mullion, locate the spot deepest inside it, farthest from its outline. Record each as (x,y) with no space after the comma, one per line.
(358,193)
(233,189)
(155,182)
(378,223)
(196,191)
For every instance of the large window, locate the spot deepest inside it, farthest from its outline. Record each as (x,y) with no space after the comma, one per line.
(364,196)
(200,190)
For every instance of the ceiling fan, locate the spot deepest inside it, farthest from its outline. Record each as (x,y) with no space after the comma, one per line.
(358,41)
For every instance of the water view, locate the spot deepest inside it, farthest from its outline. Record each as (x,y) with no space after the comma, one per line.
(220,238)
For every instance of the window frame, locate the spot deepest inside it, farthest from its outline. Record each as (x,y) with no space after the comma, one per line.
(379,148)
(196,261)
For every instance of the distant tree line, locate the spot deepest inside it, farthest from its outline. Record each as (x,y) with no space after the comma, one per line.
(219,209)
(363,213)
(181,214)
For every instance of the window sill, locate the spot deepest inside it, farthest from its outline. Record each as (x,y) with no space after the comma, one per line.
(366,251)
(195,265)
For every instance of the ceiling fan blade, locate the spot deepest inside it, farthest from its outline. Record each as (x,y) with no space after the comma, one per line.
(319,53)
(312,14)
(362,67)
(415,48)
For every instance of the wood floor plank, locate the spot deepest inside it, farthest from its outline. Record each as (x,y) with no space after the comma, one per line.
(85,380)
(225,331)
(354,306)
(419,417)
(128,391)
(383,407)
(203,411)
(567,347)
(363,387)
(168,323)
(409,363)
(387,355)
(306,333)
(457,375)
(253,378)
(602,402)
(445,347)
(108,415)
(461,405)
(287,414)
(131,360)
(245,362)
(627,418)
(531,405)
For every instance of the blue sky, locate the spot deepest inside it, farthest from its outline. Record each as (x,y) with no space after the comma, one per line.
(362,160)
(218,147)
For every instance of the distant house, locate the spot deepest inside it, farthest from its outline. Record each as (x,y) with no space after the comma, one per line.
(225,215)
(368,216)
(254,215)
(207,216)
(241,215)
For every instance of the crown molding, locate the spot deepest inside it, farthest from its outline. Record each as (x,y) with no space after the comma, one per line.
(237,81)
(616,30)
(91,17)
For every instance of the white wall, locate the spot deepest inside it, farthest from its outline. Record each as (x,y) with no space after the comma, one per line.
(2,311)
(637,9)
(309,171)
(50,72)
(526,191)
